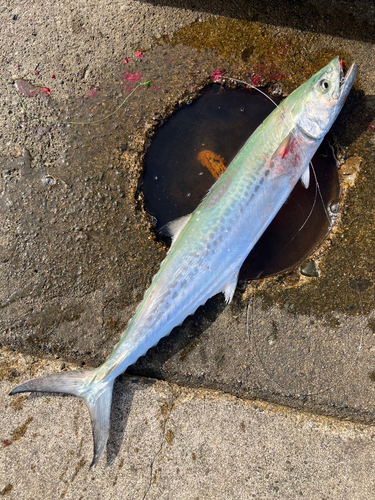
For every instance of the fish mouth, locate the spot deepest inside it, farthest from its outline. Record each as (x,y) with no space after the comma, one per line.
(346,81)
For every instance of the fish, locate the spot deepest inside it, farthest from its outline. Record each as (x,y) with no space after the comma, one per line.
(210,244)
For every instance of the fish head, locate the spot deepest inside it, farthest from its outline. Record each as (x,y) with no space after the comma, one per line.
(319,100)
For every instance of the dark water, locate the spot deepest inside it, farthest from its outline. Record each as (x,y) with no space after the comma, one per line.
(221,121)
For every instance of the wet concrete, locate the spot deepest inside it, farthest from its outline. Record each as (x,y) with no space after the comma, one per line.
(78,250)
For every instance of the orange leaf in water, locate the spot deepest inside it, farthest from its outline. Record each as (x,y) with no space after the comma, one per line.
(213,162)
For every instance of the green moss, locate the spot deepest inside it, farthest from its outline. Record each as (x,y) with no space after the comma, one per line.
(257,50)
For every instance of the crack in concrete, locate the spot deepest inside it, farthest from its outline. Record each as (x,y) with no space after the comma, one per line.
(170,405)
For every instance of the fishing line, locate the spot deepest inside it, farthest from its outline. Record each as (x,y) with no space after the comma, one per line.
(55,122)
(301,227)
(250,306)
(329,218)
(286,390)
(263,93)
(291,130)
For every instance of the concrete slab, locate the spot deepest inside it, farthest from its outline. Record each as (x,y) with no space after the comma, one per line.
(77,250)
(172,442)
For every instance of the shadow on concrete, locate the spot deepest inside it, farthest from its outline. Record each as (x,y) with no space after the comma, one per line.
(345,18)
(182,340)
(121,403)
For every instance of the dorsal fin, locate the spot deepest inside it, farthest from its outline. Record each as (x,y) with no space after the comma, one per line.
(174,228)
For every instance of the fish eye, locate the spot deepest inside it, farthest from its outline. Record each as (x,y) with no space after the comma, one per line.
(324,85)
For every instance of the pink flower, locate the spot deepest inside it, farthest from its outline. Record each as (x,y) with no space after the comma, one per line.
(217,74)
(139,54)
(126,60)
(132,77)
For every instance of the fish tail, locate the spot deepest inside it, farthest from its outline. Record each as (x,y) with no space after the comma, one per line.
(81,383)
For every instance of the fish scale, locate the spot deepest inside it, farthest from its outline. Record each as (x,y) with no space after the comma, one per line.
(209,247)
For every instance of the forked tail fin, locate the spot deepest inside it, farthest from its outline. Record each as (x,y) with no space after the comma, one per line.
(97,396)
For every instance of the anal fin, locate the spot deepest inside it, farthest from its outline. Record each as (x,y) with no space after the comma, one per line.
(230,288)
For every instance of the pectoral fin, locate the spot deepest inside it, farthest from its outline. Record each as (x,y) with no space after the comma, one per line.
(284,147)
(305,179)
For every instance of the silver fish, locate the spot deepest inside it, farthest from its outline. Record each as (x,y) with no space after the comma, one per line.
(210,245)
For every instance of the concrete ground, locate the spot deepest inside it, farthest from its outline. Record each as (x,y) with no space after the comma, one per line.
(175,443)
(269,398)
